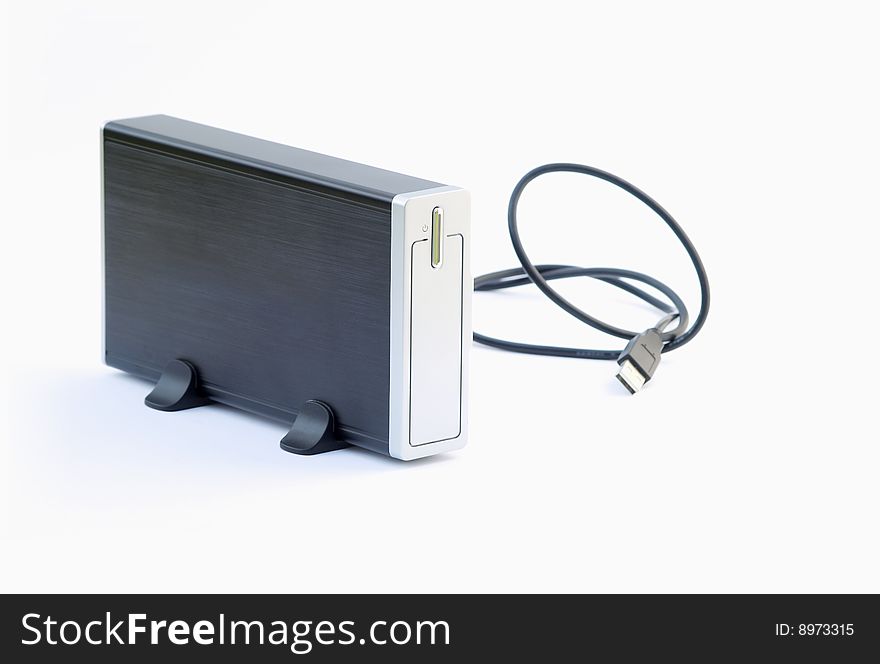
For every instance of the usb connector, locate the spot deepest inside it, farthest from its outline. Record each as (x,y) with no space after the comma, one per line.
(639,360)
(631,377)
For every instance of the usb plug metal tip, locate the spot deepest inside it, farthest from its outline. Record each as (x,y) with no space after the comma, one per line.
(632,378)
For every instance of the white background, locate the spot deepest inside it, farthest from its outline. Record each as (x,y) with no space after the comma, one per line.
(750,463)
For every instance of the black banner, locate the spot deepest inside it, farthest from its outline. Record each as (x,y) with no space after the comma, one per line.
(429,628)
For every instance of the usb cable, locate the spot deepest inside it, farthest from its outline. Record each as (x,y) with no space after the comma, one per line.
(639,359)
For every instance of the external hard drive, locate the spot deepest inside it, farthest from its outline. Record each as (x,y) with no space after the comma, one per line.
(320,292)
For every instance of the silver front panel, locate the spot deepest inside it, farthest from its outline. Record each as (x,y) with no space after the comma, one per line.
(430,322)
(435,341)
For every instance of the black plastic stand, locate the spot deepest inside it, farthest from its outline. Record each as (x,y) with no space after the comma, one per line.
(313,431)
(177,389)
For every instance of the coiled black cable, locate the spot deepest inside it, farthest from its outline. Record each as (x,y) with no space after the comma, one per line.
(541,275)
